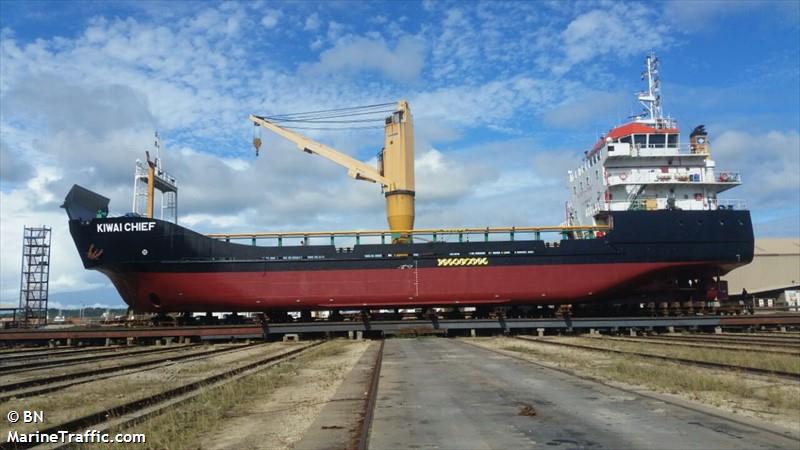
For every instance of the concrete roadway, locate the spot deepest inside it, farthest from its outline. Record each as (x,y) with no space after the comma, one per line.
(442,393)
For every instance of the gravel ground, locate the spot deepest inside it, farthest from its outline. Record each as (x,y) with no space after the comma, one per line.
(79,400)
(97,364)
(280,420)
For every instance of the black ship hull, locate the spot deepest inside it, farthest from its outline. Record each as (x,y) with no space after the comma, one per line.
(159,266)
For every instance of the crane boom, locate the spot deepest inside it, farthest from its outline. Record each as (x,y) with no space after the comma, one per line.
(355,168)
(396,164)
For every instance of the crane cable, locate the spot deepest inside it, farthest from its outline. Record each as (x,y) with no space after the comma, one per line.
(329,116)
(337,110)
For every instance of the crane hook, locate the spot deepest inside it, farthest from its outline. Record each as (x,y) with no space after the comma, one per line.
(256,138)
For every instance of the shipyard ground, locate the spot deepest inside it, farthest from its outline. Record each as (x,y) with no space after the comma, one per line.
(447,394)
(425,392)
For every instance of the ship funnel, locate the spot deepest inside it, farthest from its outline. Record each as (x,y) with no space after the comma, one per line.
(698,141)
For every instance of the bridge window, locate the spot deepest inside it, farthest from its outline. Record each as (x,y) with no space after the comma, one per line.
(640,139)
(658,140)
(626,139)
(672,140)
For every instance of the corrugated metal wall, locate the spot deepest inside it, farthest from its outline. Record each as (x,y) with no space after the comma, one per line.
(776,265)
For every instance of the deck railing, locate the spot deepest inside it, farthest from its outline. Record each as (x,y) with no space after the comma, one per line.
(421,235)
(641,204)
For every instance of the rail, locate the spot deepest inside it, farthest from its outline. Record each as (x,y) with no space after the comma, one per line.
(661,203)
(371,400)
(138,410)
(60,381)
(695,177)
(690,362)
(426,235)
(733,346)
(70,360)
(626,149)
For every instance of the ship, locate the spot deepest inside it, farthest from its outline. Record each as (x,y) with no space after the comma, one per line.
(643,224)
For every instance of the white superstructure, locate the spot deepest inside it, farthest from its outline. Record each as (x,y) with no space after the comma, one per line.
(643,165)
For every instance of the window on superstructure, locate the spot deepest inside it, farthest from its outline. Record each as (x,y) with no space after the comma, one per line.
(640,139)
(658,140)
(626,139)
(672,140)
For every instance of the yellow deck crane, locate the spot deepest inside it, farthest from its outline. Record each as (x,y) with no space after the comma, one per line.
(395,171)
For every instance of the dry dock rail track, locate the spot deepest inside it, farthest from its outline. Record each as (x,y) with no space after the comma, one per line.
(44,384)
(692,362)
(654,340)
(138,410)
(788,343)
(57,361)
(40,352)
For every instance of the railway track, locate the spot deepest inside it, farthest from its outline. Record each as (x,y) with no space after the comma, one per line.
(43,351)
(136,411)
(369,404)
(792,343)
(736,347)
(44,385)
(692,362)
(50,363)
(53,353)
(746,336)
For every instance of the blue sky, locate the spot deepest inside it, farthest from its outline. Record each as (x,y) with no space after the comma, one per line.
(506,97)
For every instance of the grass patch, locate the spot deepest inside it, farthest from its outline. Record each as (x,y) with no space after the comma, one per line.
(738,357)
(775,397)
(80,400)
(202,415)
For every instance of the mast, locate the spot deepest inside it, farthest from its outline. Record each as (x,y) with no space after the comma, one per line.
(651,98)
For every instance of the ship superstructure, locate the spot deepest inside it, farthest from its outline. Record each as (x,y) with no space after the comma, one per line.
(644,165)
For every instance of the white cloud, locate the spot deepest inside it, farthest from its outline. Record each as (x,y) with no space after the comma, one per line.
(271,19)
(335,30)
(492,103)
(312,22)
(621,30)
(706,15)
(357,53)
(589,108)
(442,179)
(769,164)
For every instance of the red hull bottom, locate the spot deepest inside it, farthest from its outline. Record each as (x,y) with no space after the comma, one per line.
(462,286)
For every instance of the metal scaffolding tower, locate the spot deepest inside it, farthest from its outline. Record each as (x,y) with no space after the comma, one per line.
(35,278)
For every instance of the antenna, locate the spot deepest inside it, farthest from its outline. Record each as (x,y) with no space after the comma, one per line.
(157,145)
(651,99)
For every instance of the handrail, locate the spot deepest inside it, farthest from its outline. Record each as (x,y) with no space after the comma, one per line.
(431,231)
